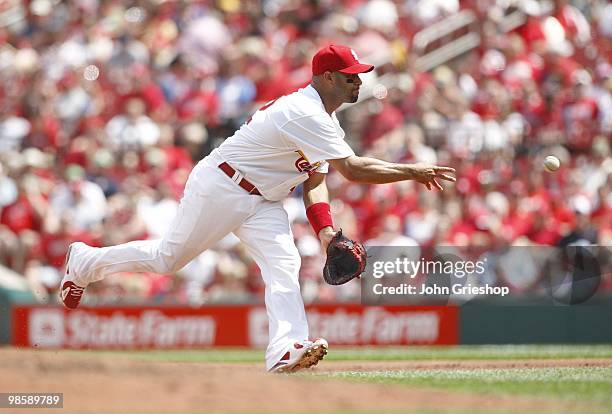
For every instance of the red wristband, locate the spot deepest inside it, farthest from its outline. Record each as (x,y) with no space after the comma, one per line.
(319,216)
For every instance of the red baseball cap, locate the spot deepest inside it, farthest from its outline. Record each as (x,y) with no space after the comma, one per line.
(336,58)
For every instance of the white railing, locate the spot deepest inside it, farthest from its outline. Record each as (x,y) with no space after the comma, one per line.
(447,39)
(457,34)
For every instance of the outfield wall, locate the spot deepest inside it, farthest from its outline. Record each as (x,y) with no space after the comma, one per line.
(235,325)
(529,321)
(145,327)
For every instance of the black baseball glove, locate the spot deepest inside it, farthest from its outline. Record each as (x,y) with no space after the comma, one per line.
(346,260)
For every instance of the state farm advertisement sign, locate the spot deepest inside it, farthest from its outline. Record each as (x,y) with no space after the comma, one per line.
(137,328)
(364,325)
(168,328)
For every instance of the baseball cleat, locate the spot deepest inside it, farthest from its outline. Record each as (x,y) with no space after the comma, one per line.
(303,355)
(70,292)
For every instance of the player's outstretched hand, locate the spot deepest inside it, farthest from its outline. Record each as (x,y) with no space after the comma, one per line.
(326,235)
(429,175)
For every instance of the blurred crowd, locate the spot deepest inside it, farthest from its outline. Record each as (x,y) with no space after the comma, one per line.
(105,106)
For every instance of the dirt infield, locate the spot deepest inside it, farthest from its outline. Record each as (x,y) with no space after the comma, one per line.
(95,383)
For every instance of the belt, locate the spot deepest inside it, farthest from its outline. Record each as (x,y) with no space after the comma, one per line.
(230,172)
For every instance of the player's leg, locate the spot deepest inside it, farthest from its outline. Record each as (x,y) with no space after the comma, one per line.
(268,238)
(202,219)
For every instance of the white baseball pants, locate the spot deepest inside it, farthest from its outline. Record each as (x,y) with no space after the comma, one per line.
(212,206)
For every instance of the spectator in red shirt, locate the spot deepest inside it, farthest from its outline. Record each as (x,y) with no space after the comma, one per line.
(579,114)
(57,236)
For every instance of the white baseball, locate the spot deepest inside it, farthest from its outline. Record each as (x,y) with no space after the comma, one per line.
(380,91)
(552,163)
(91,73)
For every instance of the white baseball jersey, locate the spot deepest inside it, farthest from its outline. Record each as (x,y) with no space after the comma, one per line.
(284,143)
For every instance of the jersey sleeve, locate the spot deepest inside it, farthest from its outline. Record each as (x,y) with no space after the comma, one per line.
(318,137)
(324,168)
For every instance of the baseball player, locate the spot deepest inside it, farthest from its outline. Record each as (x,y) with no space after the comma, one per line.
(238,188)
